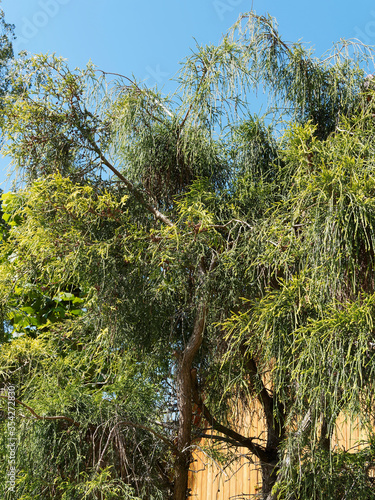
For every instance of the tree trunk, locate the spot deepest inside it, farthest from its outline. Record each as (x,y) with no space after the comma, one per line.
(181,481)
(269,477)
(184,404)
(184,431)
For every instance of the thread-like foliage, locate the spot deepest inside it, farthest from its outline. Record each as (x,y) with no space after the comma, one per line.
(169,263)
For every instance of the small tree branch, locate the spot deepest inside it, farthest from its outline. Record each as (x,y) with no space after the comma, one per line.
(138,195)
(204,73)
(148,429)
(77,424)
(233,436)
(224,439)
(39,417)
(133,84)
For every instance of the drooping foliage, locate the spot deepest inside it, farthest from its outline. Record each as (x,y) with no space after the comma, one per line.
(6,53)
(166,256)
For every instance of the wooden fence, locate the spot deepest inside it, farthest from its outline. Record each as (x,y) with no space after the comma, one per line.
(242,481)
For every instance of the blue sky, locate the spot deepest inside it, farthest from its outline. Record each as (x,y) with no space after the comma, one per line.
(148,38)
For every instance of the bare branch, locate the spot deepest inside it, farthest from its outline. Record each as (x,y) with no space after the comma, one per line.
(148,429)
(39,417)
(234,436)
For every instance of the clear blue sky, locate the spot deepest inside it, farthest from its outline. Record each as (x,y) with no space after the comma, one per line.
(148,38)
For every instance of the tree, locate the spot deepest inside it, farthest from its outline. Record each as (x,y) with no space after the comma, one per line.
(6,54)
(233,252)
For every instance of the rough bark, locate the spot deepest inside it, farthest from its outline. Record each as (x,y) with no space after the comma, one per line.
(184,404)
(269,478)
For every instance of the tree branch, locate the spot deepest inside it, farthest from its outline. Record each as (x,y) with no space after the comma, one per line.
(156,434)
(233,436)
(138,195)
(267,401)
(204,73)
(133,84)
(39,417)
(77,424)
(224,439)
(196,338)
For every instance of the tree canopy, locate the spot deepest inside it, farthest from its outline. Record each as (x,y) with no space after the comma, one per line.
(166,255)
